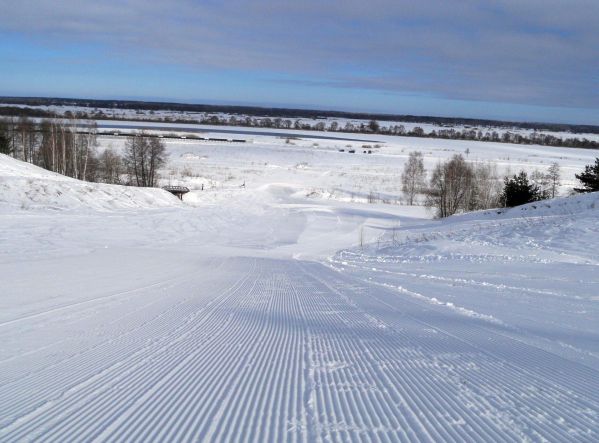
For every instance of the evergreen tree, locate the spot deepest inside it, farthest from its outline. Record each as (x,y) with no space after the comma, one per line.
(589,178)
(518,190)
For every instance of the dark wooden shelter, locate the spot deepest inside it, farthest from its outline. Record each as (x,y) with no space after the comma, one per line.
(177,190)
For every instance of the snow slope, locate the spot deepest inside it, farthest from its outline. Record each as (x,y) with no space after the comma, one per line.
(23,185)
(254,315)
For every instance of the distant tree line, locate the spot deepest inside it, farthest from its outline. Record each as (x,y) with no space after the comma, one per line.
(372,126)
(69,147)
(291,113)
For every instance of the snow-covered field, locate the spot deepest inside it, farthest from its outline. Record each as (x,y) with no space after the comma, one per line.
(319,167)
(252,313)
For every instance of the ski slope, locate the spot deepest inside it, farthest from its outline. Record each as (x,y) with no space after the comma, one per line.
(264,350)
(256,316)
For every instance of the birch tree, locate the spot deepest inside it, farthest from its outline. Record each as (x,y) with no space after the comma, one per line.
(553,177)
(412,178)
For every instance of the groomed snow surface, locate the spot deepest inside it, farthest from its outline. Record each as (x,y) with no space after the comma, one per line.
(254,314)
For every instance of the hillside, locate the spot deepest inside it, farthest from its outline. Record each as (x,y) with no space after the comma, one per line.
(26,186)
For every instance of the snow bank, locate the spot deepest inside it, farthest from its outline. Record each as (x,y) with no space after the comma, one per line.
(557,206)
(26,186)
(578,204)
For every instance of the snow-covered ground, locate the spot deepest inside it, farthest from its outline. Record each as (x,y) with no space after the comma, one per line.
(319,167)
(28,187)
(254,313)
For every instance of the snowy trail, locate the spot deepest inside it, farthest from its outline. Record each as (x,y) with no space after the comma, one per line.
(256,349)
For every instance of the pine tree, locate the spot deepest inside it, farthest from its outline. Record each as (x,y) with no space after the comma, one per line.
(589,178)
(519,191)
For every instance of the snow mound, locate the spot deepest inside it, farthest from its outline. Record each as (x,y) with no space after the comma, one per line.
(25,186)
(561,206)
(558,230)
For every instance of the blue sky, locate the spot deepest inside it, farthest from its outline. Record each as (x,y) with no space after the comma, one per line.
(535,60)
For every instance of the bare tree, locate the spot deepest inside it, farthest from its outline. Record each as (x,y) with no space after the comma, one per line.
(9,136)
(90,144)
(553,177)
(320,126)
(412,178)
(135,159)
(450,186)
(5,147)
(110,167)
(156,159)
(143,157)
(48,151)
(486,187)
(26,138)
(542,182)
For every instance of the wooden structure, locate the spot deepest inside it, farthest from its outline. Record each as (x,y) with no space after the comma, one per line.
(177,190)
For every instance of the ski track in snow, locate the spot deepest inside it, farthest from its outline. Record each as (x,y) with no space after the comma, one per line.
(286,351)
